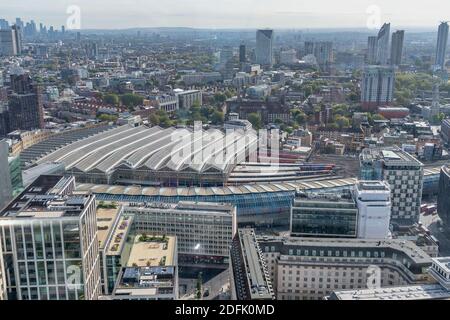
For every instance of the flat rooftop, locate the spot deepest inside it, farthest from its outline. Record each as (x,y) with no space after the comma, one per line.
(419,292)
(372,186)
(407,247)
(152,253)
(105,221)
(391,156)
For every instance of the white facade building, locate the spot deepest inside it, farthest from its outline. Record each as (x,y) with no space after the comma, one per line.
(264,47)
(188,97)
(374,209)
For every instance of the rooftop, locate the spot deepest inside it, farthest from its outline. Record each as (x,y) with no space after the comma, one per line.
(152,251)
(419,292)
(390,156)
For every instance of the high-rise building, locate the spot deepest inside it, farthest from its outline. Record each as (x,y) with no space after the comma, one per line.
(404,173)
(443,200)
(5,178)
(374,209)
(397,47)
(242,53)
(372,50)
(25,104)
(377,87)
(4,24)
(10,42)
(383,44)
(50,244)
(441,47)
(264,47)
(322,51)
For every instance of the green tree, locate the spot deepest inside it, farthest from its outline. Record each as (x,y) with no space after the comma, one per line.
(131,100)
(255,120)
(217,117)
(342,122)
(111,99)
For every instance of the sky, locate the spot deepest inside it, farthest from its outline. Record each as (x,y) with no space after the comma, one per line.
(281,14)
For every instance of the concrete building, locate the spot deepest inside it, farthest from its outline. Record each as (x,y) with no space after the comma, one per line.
(398,38)
(204,230)
(312,268)
(324,215)
(187,98)
(404,173)
(168,103)
(264,47)
(151,272)
(383,44)
(50,244)
(374,209)
(441,47)
(377,87)
(250,278)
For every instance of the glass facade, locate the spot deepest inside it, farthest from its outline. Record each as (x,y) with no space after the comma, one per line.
(320,218)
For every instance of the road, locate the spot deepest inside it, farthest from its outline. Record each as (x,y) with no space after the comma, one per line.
(218,287)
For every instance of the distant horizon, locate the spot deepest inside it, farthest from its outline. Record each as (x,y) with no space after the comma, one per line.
(232,14)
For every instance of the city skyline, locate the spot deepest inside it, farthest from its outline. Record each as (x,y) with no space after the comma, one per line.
(285,14)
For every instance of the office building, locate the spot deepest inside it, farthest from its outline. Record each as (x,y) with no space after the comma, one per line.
(151,272)
(324,215)
(441,47)
(445,130)
(439,270)
(377,87)
(10,42)
(264,47)
(383,44)
(6,191)
(404,173)
(322,51)
(204,231)
(25,104)
(374,209)
(250,278)
(50,244)
(398,38)
(443,200)
(312,268)
(372,50)
(242,54)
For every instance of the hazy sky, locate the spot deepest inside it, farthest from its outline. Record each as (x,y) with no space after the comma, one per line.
(110,14)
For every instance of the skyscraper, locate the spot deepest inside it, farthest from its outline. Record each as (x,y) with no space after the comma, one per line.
(25,104)
(242,53)
(377,87)
(404,173)
(10,42)
(397,47)
(441,46)
(372,50)
(383,44)
(264,47)
(52,248)
(5,179)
